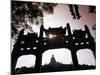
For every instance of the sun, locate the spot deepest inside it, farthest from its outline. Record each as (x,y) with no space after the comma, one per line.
(51,36)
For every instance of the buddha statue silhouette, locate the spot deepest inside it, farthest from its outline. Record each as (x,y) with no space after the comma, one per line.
(53,60)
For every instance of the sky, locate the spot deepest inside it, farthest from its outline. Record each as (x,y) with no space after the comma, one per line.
(61,55)
(60,17)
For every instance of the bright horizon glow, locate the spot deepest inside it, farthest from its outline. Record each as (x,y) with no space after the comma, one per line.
(85,56)
(61,55)
(26,60)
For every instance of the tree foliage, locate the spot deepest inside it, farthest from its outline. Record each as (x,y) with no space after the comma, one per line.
(25,14)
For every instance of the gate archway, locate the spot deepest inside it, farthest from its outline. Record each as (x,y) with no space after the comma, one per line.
(61,55)
(32,44)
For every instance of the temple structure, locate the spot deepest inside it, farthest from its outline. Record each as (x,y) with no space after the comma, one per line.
(56,38)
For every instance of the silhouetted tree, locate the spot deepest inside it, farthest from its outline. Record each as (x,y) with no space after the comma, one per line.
(94,27)
(92,9)
(74,9)
(24,14)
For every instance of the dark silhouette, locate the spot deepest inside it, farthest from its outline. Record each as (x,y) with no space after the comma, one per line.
(53,66)
(53,60)
(92,9)
(20,10)
(32,44)
(15,31)
(94,27)
(74,9)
